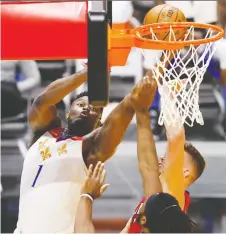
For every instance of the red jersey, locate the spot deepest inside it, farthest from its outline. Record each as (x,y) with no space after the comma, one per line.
(135,227)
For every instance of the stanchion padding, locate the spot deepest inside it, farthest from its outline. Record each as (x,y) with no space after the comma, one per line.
(43,30)
(98,82)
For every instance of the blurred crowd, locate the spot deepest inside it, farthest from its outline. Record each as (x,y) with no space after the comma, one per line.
(22,80)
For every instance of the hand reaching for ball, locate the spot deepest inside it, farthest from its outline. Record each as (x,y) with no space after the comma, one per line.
(143,93)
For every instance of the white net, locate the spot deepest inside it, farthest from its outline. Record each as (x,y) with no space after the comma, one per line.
(182,71)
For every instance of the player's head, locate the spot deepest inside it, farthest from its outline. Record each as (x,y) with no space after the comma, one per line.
(194,164)
(82,115)
(162,214)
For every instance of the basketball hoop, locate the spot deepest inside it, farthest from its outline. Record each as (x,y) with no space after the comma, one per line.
(185,70)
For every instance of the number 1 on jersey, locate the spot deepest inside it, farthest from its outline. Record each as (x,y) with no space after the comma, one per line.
(37,175)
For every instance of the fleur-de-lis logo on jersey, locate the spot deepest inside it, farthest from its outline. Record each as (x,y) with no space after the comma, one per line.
(62,150)
(42,144)
(45,154)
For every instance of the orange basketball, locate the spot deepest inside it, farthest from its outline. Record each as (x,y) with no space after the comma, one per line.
(165,13)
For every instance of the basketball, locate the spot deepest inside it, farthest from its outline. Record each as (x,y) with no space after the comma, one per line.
(166,13)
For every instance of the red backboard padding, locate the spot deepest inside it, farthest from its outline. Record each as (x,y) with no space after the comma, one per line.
(53,30)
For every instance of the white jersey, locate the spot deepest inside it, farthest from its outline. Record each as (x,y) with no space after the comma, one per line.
(52,176)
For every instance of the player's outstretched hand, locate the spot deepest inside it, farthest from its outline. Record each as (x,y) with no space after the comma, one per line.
(94,183)
(143,93)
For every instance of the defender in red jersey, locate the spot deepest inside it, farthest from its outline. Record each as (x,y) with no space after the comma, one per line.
(180,167)
(135,226)
(164,182)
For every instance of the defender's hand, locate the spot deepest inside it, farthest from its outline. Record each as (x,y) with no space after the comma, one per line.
(143,93)
(94,183)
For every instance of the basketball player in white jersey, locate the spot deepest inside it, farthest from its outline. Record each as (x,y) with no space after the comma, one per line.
(56,163)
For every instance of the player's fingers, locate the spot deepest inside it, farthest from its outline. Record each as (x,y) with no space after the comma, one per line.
(103,176)
(90,170)
(103,188)
(101,169)
(96,170)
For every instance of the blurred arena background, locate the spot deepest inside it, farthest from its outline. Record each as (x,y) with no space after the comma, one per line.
(25,79)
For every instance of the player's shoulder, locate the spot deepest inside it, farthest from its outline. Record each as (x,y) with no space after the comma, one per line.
(134,226)
(53,133)
(139,204)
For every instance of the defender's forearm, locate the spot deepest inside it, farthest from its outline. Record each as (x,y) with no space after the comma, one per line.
(147,155)
(175,135)
(83,220)
(172,177)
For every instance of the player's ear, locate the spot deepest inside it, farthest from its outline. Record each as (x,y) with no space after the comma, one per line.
(186,173)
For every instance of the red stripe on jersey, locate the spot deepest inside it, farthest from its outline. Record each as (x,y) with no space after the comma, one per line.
(56,132)
(135,227)
(77,138)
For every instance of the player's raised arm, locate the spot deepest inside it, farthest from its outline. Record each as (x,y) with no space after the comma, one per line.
(43,112)
(93,188)
(147,156)
(110,135)
(146,151)
(173,176)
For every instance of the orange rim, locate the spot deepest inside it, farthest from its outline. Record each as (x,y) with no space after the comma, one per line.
(141,42)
